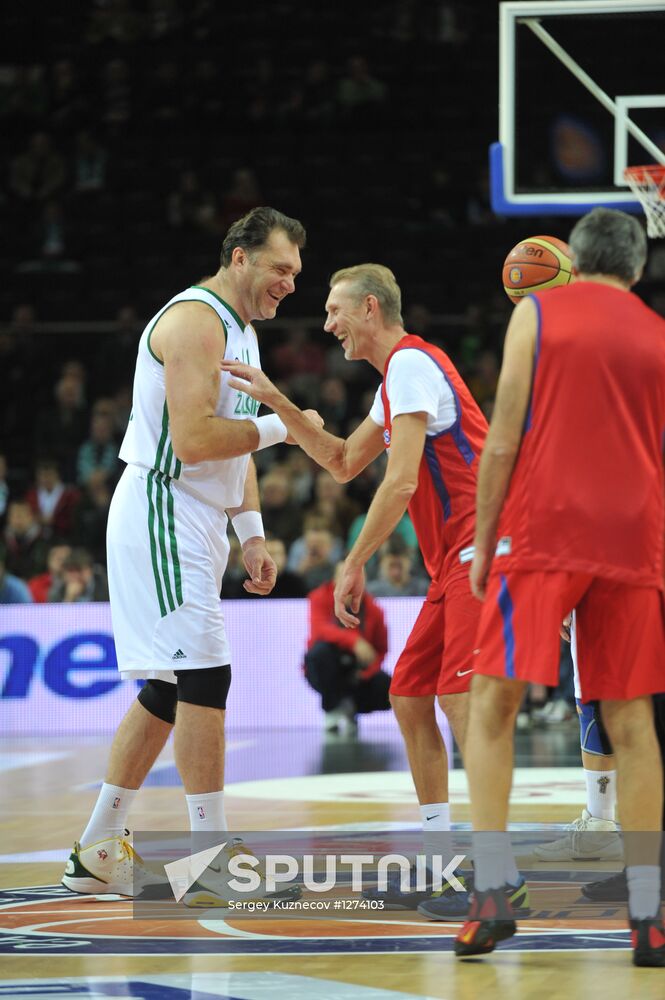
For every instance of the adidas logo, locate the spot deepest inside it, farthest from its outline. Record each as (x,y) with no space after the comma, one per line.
(179,655)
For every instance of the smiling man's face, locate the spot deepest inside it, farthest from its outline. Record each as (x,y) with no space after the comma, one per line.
(270,276)
(346,319)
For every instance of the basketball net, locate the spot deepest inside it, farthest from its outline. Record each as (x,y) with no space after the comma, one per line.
(648,184)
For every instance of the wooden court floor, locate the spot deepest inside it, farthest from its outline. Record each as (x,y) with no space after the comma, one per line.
(58,944)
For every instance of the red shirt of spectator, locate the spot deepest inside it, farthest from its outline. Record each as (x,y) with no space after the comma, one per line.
(324,626)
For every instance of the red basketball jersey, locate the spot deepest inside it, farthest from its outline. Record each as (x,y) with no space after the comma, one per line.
(443,506)
(587,489)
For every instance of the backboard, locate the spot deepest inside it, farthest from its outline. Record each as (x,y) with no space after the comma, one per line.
(580,98)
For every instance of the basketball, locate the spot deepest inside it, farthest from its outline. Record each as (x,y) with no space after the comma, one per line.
(535,264)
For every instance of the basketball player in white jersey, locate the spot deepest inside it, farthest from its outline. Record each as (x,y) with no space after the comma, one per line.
(188,450)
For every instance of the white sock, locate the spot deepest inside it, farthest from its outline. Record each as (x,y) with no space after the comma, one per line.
(489,860)
(206,813)
(643,891)
(109,817)
(435,817)
(511,872)
(601,793)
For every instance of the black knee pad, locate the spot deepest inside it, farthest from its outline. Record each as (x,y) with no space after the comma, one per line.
(160,699)
(207,687)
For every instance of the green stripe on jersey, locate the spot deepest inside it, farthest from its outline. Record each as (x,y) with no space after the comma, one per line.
(163,544)
(153,545)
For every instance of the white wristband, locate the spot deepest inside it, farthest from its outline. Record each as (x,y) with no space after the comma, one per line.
(248,524)
(271,430)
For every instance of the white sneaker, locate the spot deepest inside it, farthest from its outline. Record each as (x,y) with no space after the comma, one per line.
(588,839)
(109,866)
(212,888)
(560,711)
(334,721)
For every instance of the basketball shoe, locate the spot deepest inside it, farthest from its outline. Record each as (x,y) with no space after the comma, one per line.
(212,889)
(439,906)
(394,897)
(490,920)
(587,839)
(112,866)
(648,940)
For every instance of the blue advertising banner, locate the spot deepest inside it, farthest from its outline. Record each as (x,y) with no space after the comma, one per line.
(58,669)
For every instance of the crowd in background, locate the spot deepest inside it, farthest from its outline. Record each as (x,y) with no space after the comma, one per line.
(134,132)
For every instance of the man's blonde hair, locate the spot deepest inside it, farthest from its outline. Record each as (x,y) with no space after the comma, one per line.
(377,280)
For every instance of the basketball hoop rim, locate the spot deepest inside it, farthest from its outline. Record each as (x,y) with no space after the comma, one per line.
(655,171)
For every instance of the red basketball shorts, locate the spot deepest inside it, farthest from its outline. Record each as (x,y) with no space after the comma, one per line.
(438,656)
(620,632)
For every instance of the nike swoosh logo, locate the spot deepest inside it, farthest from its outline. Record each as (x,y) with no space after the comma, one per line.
(463,673)
(434,816)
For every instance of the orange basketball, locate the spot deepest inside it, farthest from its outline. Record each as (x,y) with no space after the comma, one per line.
(535,264)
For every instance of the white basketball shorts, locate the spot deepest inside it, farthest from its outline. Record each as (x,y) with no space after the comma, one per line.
(166,555)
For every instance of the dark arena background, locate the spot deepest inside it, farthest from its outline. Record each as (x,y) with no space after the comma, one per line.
(134,132)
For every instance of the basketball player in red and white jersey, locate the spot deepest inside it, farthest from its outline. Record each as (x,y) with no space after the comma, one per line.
(570,513)
(425,415)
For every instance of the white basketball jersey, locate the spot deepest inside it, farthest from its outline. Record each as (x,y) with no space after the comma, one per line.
(147,442)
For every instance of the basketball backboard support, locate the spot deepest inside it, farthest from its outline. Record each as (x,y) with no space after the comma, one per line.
(591,27)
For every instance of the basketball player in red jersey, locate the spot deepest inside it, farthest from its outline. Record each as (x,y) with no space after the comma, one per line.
(425,415)
(570,513)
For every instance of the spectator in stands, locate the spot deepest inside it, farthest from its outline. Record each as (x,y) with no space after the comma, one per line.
(358,90)
(242,195)
(24,95)
(333,404)
(116,93)
(39,173)
(116,21)
(344,665)
(289,584)
(82,581)
(25,548)
(92,515)
(404,528)
(68,103)
(60,429)
(13,590)
(484,377)
(395,577)
(164,94)
(282,517)
(298,353)
(90,162)
(318,103)
(313,556)
(332,503)
(52,501)
(163,19)
(301,471)
(41,584)
(99,452)
(190,207)
(235,573)
(418,320)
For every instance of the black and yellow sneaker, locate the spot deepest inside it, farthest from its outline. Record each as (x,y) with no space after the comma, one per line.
(518,897)
(450,905)
(489,921)
(393,897)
